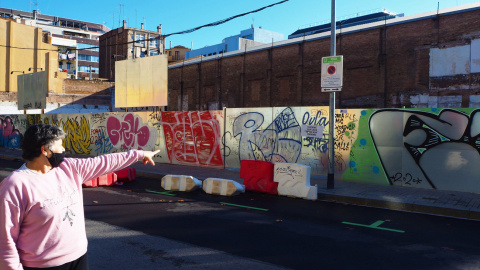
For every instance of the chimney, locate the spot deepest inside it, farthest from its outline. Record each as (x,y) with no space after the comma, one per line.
(142,26)
(35,14)
(124,23)
(159,29)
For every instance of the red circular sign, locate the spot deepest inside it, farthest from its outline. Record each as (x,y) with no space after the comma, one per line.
(331,70)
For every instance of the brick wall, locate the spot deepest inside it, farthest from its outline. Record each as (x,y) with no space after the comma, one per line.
(86,87)
(383,67)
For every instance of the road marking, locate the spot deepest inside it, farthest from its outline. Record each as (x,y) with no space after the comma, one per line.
(244,206)
(158,192)
(374,225)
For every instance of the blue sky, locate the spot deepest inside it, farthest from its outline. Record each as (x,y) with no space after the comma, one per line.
(178,15)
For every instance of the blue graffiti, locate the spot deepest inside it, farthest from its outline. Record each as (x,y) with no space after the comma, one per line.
(319,144)
(9,135)
(279,142)
(317,120)
(103,144)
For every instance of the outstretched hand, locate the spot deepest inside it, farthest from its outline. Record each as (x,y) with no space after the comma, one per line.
(148,158)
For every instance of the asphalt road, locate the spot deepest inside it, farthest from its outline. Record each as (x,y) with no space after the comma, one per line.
(278,232)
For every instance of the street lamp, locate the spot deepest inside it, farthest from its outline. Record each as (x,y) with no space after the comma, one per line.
(34,68)
(17,71)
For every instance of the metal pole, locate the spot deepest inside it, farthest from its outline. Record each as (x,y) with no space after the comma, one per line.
(331,127)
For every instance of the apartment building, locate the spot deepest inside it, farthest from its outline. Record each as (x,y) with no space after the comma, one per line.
(128,43)
(176,53)
(78,41)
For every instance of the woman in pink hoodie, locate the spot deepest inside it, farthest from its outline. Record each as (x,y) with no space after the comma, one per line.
(41,204)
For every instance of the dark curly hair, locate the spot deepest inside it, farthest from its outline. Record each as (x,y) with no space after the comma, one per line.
(38,135)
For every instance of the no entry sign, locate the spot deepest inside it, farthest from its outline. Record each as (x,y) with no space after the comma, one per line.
(332,73)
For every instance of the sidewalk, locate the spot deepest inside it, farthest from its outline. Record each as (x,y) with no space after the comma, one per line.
(437,202)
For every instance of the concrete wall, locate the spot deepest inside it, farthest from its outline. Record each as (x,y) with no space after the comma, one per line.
(423,148)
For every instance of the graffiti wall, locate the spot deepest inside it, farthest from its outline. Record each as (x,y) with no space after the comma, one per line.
(424,148)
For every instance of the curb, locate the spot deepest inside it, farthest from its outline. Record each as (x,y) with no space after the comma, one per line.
(400,206)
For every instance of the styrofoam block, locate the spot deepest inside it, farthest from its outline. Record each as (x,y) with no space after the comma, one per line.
(294,180)
(224,187)
(180,182)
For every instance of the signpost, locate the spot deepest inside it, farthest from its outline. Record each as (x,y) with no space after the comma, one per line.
(331,126)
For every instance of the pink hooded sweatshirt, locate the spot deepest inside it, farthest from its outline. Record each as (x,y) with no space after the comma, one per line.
(41,215)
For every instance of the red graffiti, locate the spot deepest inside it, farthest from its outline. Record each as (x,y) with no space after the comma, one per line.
(192,138)
(129,132)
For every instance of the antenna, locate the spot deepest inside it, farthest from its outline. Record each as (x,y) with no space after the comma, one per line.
(35,3)
(253,21)
(119,15)
(135,17)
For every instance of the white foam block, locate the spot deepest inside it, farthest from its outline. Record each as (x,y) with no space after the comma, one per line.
(224,187)
(180,182)
(294,180)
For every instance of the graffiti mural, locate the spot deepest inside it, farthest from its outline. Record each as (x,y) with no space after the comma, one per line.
(280,141)
(193,138)
(9,135)
(127,131)
(428,150)
(424,148)
(77,134)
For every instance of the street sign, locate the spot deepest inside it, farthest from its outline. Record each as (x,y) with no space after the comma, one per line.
(337,89)
(332,73)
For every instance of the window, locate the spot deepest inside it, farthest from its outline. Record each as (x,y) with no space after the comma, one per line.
(153,53)
(68,65)
(84,57)
(169,53)
(87,69)
(90,58)
(60,64)
(84,46)
(140,39)
(154,43)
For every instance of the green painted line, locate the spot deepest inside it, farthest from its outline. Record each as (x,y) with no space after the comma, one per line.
(158,192)
(374,225)
(244,206)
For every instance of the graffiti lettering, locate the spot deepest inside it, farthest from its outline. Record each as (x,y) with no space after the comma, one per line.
(318,120)
(408,179)
(102,143)
(289,171)
(192,138)
(279,142)
(129,132)
(319,144)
